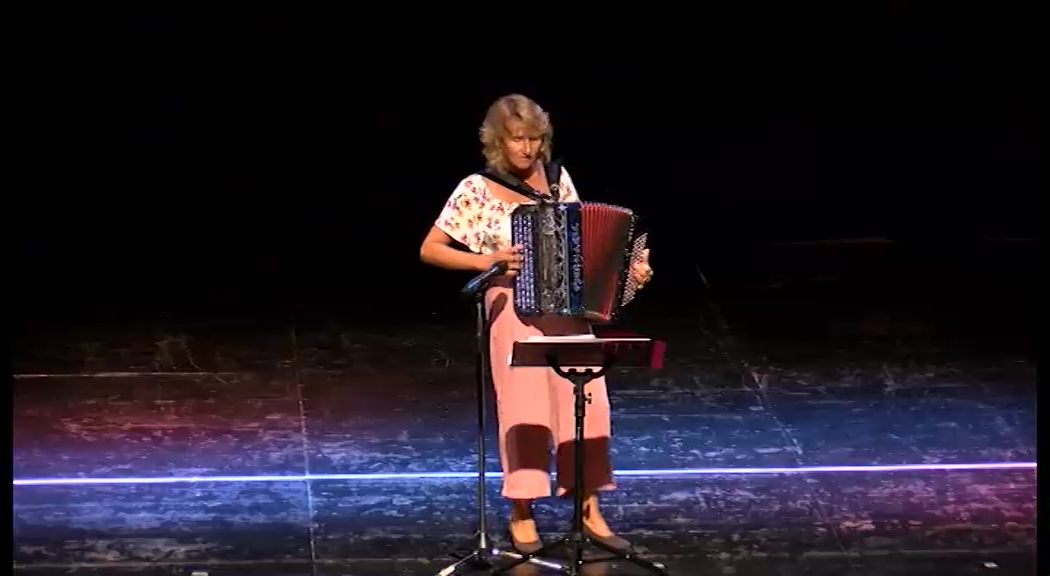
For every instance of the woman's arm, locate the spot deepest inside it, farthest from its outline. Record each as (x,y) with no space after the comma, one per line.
(437,250)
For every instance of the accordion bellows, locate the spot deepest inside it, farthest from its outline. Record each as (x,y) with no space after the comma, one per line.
(576,259)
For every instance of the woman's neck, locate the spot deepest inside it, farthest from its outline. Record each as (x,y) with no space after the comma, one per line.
(522,174)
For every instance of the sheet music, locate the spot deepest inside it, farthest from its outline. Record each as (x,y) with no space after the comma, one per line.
(553,339)
(574,338)
(577,338)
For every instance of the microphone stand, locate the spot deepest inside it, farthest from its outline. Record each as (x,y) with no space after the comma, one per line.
(482,551)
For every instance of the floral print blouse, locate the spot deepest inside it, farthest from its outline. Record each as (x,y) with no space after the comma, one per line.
(481,221)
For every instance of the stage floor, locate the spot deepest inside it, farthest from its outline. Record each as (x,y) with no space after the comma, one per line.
(302,444)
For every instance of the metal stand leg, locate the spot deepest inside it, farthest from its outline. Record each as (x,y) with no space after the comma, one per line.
(482,552)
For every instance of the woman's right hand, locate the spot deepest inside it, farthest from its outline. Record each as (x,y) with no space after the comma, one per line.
(512,256)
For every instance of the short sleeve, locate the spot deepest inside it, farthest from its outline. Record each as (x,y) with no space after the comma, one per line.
(462,216)
(569,193)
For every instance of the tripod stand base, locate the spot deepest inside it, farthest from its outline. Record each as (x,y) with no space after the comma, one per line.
(575,544)
(480,558)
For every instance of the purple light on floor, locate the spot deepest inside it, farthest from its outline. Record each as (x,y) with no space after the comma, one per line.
(468,475)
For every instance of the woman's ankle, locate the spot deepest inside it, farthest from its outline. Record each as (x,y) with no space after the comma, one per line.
(521,510)
(592,517)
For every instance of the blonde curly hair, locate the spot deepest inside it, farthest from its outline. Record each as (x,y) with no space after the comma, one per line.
(494,130)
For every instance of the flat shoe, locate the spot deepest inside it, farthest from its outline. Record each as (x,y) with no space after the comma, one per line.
(524,547)
(612,541)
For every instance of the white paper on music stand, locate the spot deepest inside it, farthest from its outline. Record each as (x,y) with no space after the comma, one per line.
(553,339)
(571,338)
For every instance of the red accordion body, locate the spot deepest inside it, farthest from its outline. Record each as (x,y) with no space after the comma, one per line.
(576,259)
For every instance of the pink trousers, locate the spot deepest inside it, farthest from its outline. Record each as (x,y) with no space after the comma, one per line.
(534,406)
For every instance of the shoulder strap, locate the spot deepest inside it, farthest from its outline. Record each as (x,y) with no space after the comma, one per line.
(554,178)
(553,171)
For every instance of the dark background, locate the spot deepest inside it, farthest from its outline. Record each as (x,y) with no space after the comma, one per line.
(289,163)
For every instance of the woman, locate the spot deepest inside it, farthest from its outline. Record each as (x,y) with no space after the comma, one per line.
(532,404)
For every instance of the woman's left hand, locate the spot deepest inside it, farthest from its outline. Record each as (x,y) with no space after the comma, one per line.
(641,272)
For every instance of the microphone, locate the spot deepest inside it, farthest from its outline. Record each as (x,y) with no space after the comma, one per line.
(482,279)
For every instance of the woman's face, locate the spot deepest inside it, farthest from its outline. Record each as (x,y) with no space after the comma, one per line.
(522,145)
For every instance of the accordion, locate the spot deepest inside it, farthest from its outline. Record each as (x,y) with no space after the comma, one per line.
(576,259)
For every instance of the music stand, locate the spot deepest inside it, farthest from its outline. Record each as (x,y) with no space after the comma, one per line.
(557,352)
(481,549)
